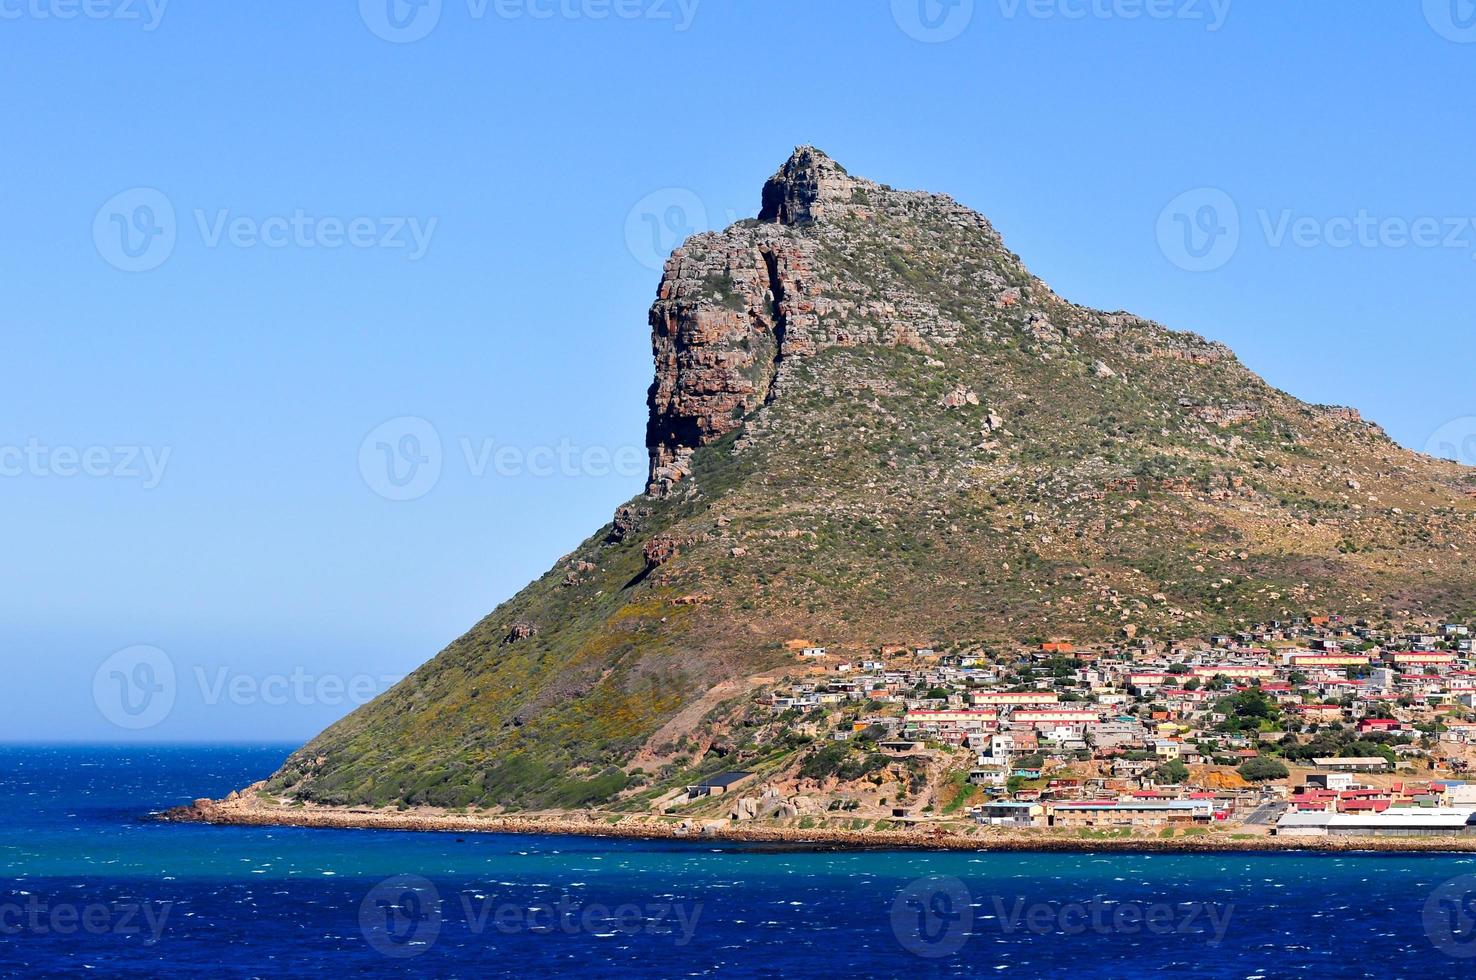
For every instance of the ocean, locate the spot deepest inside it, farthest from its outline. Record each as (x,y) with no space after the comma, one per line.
(89,884)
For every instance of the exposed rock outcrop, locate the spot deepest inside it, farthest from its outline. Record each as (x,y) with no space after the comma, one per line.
(734,306)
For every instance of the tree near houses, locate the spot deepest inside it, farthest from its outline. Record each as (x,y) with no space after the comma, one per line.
(1262,768)
(1173,773)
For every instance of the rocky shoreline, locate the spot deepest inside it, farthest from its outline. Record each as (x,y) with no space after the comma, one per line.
(249,811)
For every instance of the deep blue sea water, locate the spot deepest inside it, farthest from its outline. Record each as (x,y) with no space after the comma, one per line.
(87,885)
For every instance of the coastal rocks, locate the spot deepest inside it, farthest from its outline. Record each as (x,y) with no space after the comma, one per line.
(1337,413)
(1223,416)
(772,806)
(250,811)
(959,397)
(519,631)
(577,570)
(627,522)
(1042,330)
(661,549)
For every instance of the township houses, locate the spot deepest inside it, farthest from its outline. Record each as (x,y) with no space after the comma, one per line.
(1376,763)
(1147,680)
(1323,661)
(1129,813)
(1044,717)
(1141,810)
(1003,699)
(950,723)
(1419,658)
(1319,713)
(1120,715)
(1236,672)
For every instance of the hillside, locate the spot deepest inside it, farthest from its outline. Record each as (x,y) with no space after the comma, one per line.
(870,424)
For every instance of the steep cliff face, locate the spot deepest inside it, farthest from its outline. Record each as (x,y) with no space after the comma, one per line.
(730,308)
(870,424)
(734,306)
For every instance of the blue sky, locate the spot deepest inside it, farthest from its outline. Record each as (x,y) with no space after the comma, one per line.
(243,240)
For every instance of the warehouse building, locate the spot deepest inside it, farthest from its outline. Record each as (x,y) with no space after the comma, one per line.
(1393,822)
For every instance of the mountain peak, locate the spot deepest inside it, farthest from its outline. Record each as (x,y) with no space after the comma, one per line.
(806,188)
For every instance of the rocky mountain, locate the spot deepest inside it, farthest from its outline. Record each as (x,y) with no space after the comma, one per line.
(871,425)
